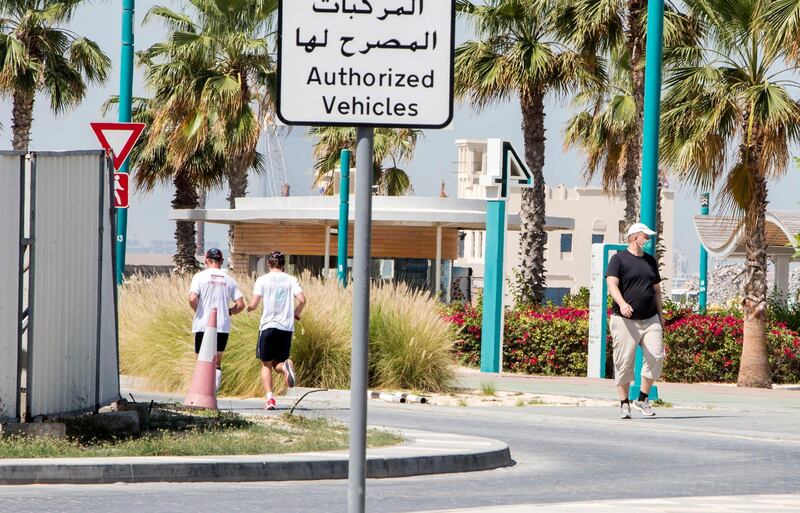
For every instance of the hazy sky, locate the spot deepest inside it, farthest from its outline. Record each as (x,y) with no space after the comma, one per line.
(434,159)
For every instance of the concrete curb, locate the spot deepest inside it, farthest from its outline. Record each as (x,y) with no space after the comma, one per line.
(423,453)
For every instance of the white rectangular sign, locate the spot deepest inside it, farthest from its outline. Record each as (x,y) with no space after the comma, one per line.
(366,62)
(597,311)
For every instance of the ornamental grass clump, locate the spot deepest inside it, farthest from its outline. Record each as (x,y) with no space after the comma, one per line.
(410,344)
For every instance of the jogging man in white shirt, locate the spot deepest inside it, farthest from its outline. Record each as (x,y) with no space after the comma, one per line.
(279,291)
(214,288)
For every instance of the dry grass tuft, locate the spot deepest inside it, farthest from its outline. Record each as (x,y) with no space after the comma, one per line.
(409,342)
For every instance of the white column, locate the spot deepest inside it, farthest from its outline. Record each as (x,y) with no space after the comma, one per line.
(781,274)
(438,264)
(325,269)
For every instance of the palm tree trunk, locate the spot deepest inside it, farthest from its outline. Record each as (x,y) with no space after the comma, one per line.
(532,212)
(754,370)
(661,250)
(237,184)
(185,197)
(631,183)
(636,44)
(22,119)
(200,226)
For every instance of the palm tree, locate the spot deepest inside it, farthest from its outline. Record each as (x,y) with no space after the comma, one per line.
(390,144)
(202,170)
(518,54)
(209,76)
(609,131)
(36,55)
(729,119)
(606,133)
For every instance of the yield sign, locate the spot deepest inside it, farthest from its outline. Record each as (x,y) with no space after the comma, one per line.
(118,138)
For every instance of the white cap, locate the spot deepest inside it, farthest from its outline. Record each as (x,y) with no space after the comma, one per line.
(639,228)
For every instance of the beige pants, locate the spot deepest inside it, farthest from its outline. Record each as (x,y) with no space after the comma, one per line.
(627,334)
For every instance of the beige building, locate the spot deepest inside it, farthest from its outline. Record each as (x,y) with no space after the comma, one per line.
(595,217)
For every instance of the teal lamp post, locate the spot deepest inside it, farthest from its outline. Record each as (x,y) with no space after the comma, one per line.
(125,100)
(702,296)
(652,108)
(344,208)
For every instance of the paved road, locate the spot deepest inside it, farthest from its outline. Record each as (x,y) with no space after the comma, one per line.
(562,454)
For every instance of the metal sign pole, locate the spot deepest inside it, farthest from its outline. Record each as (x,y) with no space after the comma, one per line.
(125,99)
(361,281)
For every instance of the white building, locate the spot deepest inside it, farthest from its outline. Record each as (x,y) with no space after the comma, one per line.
(596,218)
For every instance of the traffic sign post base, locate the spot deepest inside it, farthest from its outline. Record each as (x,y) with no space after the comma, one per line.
(634,394)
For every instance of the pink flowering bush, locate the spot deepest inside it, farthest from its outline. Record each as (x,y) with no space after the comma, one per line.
(465,322)
(548,340)
(553,341)
(709,347)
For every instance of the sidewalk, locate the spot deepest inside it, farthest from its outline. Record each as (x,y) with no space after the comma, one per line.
(727,504)
(783,399)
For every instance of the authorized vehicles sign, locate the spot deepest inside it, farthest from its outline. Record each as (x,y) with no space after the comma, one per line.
(366,62)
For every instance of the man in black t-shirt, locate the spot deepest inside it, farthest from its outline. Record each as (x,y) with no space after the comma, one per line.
(635,285)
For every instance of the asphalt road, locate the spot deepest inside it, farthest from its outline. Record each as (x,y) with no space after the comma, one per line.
(562,454)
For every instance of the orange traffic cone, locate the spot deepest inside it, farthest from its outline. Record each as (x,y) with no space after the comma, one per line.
(203,390)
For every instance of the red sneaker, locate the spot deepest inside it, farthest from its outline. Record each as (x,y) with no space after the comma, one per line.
(270,404)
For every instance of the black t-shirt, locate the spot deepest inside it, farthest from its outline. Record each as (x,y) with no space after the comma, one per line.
(637,275)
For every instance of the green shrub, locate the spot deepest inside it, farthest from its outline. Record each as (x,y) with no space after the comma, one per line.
(578,300)
(465,323)
(410,344)
(709,348)
(551,341)
(546,340)
(554,341)
(782,310)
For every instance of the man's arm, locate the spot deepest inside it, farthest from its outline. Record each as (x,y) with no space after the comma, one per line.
(193,300)
(237,307)
(253,303)
(301,303)
(659,303)
(613,289)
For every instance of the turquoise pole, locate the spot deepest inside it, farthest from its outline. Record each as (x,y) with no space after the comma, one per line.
(652,104)
(344,207)
(125,100)
(652,107)
(492,323)
(702,297)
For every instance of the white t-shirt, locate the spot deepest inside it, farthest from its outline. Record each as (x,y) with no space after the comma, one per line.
(278,291)
(215,289)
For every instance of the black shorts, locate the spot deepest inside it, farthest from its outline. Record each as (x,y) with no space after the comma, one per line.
(274,345)
(222,341)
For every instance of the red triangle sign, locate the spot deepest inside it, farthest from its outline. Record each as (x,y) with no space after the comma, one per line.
(118,138)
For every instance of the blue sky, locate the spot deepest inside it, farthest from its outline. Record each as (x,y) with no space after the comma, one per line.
(434,159)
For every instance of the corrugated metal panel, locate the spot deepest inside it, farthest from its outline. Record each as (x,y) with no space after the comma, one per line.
(109,356)
(66,282)
(10,208)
